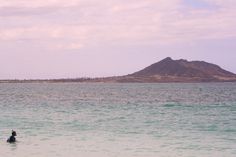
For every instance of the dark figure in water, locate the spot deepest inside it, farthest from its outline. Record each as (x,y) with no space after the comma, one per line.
(12,138)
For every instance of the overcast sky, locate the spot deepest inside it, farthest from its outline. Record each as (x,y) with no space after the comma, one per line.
(78,38)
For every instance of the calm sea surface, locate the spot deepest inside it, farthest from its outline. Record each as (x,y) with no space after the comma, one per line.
(118,120)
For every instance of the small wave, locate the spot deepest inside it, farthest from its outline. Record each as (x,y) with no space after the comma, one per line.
(172,105)
(230,130)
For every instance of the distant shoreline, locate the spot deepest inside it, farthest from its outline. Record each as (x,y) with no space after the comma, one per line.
(107,80)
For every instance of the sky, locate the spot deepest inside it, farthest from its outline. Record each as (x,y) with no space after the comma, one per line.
(95,38)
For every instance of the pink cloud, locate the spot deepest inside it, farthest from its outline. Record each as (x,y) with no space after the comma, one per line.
(121,20)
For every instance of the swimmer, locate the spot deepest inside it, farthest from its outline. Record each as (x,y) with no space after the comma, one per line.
(12,138)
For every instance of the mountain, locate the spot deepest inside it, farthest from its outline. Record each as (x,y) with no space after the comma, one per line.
(166,70)
(169,70)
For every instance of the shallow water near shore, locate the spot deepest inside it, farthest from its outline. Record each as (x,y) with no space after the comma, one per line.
(118,120)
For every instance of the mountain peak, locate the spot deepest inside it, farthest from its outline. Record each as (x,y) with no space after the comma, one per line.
(168,58)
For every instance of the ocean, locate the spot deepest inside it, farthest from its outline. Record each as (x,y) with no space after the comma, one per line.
(118,120)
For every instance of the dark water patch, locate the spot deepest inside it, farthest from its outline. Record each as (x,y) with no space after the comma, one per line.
(172,105)
(208,128)
(230,130)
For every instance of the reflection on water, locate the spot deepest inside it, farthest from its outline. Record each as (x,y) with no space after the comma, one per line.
(13,146)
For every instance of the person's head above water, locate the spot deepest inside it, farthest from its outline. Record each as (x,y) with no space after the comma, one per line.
(13,133)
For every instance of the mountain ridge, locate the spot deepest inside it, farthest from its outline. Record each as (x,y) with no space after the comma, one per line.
(182,67)
(169,70)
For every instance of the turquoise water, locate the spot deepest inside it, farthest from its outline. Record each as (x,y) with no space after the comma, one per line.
(118,120)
